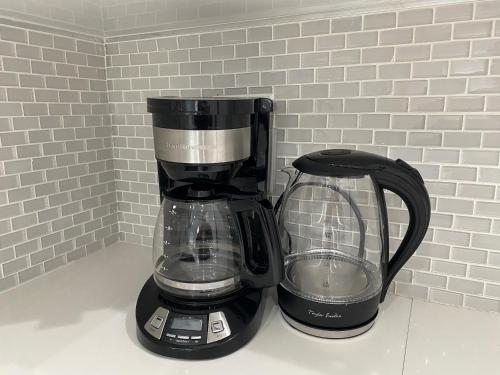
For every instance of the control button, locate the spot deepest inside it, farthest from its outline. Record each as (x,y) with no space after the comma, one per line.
(183,337)
(217,326)
(170,335)
(195,337)
(157,321)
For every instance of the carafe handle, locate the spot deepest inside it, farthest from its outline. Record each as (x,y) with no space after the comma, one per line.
(406,182)
(262,263)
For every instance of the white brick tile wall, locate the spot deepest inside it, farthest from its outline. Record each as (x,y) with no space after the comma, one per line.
(421,84)
(55,147)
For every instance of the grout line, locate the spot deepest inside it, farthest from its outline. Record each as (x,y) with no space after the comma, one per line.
(407,337)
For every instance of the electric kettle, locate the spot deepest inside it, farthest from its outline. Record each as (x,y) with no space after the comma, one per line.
(332,220)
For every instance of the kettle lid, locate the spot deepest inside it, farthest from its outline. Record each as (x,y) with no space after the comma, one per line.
(340,163)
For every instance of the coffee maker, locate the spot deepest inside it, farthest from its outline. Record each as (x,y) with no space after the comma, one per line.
(216,244)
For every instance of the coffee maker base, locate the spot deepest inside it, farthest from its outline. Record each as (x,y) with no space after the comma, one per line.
(329,333)
(197,329)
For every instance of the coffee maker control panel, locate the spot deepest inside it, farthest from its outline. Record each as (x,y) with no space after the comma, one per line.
(182,329)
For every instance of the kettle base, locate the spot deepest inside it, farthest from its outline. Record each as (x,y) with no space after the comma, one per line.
(329,333)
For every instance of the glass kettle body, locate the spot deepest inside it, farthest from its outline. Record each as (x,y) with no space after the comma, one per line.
(333,225)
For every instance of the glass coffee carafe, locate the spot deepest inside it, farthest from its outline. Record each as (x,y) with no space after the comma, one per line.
(197,248)
(333,225)
(204,248)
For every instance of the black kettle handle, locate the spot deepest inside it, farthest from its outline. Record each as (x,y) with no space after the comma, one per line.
(262,266)
(405,181)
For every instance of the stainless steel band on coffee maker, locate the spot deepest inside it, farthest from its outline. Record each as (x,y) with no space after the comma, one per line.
(202,146)
(228,283)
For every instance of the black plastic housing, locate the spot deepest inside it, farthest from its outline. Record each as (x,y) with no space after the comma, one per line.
(230,106)
(329,316)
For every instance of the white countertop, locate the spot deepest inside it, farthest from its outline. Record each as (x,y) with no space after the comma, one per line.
(80,320)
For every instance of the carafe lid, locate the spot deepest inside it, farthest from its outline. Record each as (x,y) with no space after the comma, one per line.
(340,163)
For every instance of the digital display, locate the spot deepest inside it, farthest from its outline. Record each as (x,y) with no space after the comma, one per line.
(189,324)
